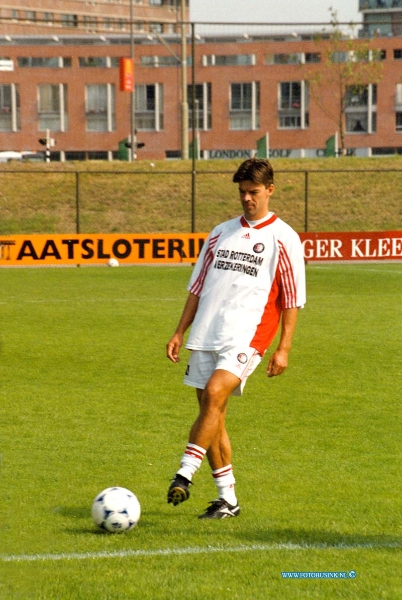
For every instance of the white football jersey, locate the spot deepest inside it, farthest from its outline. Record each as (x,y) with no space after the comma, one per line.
(244,277)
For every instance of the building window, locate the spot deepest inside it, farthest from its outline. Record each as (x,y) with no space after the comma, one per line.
(161,61)
(378,24)
(398,106)
(228,60)
(398,54)
(100,107)
(52,107)
(156,2)
(312,57)
(50,62)
(283,59)
(69,20)
(377,55)
(340,57)
(48,18)
(30,16)
(149,107)
(202,105)
(359,55)
(93,61)
(89,22)
(293,105)
(99,62)
(156,27)
(15,15)
(366,55)
(360,108)
(292,59)
(244,106)
(9,107)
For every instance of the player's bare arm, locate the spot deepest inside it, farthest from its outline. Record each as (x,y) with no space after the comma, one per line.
(279,360)
(187,317)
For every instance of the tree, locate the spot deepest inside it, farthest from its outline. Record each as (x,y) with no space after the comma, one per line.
(349,66)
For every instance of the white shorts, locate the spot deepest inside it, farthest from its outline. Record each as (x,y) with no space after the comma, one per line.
(239,361)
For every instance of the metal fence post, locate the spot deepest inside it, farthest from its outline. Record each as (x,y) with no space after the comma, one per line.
(77,201)
(194,130)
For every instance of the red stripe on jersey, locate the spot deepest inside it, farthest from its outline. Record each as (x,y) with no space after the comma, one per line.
(208,258)
(260,225)
(265,223)
(268,326)
(288,280)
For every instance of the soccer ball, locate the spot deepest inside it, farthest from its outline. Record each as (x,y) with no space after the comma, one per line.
(116,509)
(113,262)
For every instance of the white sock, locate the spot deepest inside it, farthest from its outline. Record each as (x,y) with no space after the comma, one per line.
(224,481)
(191,461)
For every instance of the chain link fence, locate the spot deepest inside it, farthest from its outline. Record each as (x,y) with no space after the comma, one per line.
(158,201)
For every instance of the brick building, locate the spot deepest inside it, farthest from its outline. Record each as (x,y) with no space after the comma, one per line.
(246,85)
(72,17)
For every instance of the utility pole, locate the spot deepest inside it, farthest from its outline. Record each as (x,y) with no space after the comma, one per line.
(184,102)
(132,105)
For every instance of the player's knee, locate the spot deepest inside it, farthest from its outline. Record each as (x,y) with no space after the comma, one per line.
(214,396)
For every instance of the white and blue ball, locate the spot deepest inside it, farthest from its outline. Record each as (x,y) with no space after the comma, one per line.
(116,509)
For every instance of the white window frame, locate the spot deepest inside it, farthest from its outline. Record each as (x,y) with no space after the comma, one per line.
(398,107)
(14,109)
(212,60)
(366,112)
(109,118)
(61,115)
(300,112)
(243,113)
(205,117)
(142,112)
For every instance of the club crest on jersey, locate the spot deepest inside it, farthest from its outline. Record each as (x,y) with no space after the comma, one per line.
(258,248)
(242,358)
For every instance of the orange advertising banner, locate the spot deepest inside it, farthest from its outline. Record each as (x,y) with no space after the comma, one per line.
(126,67)
(165,248)
(87,249)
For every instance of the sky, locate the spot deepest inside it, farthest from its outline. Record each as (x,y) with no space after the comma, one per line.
(273,11)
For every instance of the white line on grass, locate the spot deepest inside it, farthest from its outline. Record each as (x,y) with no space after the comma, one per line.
(198,550)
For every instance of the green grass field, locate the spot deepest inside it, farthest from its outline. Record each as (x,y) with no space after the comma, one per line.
(88,400)
(347,194)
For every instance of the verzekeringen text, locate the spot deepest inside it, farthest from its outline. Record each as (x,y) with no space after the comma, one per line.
(227,265)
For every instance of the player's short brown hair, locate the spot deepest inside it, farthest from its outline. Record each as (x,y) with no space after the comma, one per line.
(258,170)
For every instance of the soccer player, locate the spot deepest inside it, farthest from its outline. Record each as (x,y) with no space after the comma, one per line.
(248,280)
